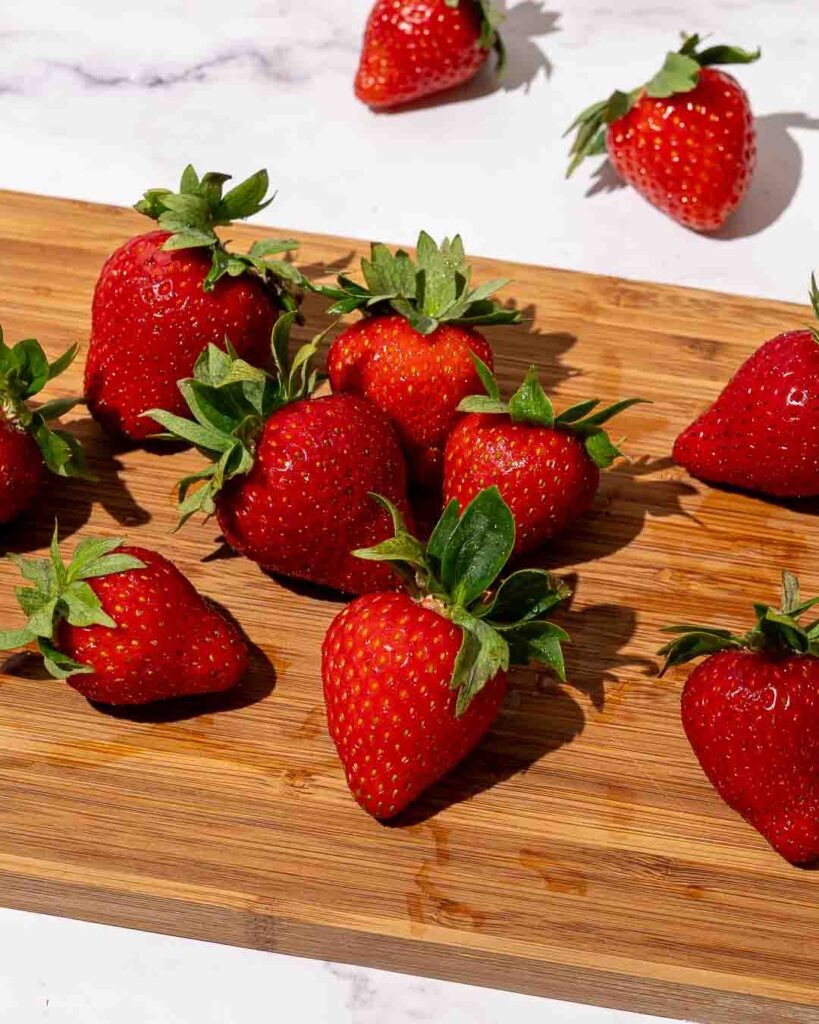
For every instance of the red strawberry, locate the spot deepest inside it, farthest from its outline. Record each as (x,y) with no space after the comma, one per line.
(751,713)
(412,353)
(546,467)
(123,626)
(685,140)
(412,681)
(291,474)
(162,297)
(413,48)
(27,444)
(762,433)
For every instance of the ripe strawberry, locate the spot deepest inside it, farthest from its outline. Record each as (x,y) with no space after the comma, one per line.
(751,713)
(762,433)
(27,444)
(291,475)
(412,352)
(412,681)
(685,140)
(546,467)
(413,48)
(162,297)
(123,626)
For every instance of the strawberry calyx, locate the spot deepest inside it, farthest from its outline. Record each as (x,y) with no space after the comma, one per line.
(490,38)
(814,301)
(680,73)
(61,591)
(192,214)
(777,632)
(456,573)
(24,372)
(531,404)
(432,290)
(231,401)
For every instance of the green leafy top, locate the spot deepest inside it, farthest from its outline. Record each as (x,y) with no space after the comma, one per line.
(61,592)
(777,631)
(531,404)
(453,573)
(194,212)
(434,290)
(491,19)
(814,301)
(231,401)
(679,74)
(24,372)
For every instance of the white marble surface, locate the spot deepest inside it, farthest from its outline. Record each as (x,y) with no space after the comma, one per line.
(99,100)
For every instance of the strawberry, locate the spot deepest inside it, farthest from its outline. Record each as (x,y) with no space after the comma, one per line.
(546,467)
(751,713)
(685,140)
(414,48)
(412,352)
(291,474)
(413,680)
(762,433)
(162,297)
(122,625)
(28,445)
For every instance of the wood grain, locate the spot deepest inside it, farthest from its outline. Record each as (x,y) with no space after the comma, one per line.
(579,852)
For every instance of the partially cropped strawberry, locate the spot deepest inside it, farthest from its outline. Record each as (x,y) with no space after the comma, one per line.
(162,297)
(762,433)
(685,140)
(291,474)
(751,713)
(412,352)
(546,466)
(413,680)
(414,48)
(123,626)
(28,445)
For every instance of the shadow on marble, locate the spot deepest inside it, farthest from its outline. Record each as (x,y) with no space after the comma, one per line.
(604,180)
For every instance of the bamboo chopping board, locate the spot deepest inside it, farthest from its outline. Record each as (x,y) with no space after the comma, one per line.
(579,853)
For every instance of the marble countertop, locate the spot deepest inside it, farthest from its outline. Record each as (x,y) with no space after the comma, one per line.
(100,100)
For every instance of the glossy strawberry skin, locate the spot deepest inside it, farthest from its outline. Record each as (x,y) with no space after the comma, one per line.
(692,154)
(169,642)
(762,433)
(544,475)
(414,48)
(151,319)
(21,470)
(753,722)
(387,662)
(305,504)
(417,380)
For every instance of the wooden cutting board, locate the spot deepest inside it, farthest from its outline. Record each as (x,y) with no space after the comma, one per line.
(580,852)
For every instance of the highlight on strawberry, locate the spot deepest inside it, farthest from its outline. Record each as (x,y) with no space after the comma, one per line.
(122,625)
(685,139)
(413,680)
(162,297)
(545,464)
(761,433)
(420,47)
(412,352)
(290,475)
(751,714)
(28,443)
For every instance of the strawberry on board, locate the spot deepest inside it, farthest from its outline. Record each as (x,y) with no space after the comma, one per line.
(414,48)
(412,352)
(751,713)
(546,465)
(413,680)
(685,140)
(122,625)
(28,445)
(162,297)
(291,475)
(762,433)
